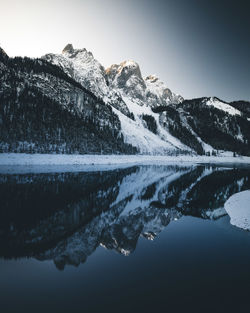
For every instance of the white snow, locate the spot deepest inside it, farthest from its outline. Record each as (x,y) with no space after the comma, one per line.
(223,106)
(7,159)
(138,135)
(238,208)
(217,213)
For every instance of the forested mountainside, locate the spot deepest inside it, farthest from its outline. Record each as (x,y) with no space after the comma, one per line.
(243,106)
(210,121)
(69,103)
(44,110)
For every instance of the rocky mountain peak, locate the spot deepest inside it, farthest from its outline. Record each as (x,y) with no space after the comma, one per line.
(129,64)
(68,48)
(152,78)
(125,70)
(129,68)
(127,78)
(83,54)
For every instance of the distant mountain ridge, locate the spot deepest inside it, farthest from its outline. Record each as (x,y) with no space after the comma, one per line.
(113,110)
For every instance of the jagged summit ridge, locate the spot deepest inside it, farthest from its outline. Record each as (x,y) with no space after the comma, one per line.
(158,93)
(81,65)
(115,82)
(127,78)
(68,48)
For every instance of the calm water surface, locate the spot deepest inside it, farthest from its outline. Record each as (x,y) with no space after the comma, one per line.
(138,239)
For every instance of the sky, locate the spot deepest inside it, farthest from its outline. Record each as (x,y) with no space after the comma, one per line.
(197,47)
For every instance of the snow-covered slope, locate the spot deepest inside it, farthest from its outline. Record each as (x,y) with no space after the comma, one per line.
(135,131)
(220,105)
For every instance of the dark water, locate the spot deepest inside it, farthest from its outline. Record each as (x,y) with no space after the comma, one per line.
(140,239)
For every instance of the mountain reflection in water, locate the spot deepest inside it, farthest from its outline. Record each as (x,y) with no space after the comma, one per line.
(65,216)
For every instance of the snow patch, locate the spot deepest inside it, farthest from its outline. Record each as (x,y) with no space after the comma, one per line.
(216,214)
(136,134)
(238,208)
(223,106)
(7,159)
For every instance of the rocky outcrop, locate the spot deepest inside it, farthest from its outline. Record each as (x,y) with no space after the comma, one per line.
(127,78)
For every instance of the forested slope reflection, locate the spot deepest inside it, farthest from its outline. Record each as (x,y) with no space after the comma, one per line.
(65,217)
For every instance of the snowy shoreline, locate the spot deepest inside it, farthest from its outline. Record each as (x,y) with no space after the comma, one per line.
(7,159)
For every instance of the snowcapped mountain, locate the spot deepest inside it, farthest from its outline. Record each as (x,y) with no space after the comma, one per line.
(153,118)
(131,97)
(113,110)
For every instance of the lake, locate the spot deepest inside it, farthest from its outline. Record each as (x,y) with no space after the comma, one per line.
(135,239)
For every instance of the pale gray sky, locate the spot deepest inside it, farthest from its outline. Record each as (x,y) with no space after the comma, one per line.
(198,47)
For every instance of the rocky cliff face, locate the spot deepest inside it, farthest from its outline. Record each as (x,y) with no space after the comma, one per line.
(127,78)
(81,65)
(158,94)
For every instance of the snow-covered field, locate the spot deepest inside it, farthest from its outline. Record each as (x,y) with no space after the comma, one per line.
(238,208)
(88,159)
